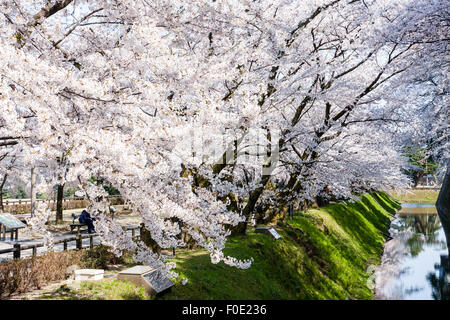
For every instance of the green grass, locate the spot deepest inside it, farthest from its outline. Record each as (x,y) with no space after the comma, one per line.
(417,196)
(386,202)
(323,254)
(98,290)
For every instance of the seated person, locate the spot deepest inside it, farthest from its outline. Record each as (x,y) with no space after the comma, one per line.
(85,217)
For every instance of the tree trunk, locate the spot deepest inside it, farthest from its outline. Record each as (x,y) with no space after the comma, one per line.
(250,206)
(146,238)
(33,191)
(1,191)
(443,206)
(59,203)
(418,177)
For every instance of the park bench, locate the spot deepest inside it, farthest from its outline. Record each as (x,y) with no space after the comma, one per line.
(9,223)
(76,225)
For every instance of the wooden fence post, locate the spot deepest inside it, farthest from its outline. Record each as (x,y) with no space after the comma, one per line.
(34,251)
(78,242)
(16,253)
(65,245)
(91,242)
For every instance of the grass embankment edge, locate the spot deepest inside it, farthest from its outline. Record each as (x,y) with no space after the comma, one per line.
(324,253)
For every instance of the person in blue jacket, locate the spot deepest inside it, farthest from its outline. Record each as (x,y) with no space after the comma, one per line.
(85,217)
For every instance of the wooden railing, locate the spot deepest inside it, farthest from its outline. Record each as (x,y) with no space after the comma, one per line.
(17,247)
(7,202)
(21,206)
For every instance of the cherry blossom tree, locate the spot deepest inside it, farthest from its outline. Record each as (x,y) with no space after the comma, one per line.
(203,113)
(424,25)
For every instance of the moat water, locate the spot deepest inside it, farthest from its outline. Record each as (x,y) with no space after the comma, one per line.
(413,261)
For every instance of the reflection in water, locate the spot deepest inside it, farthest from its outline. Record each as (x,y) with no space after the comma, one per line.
(424,231)
(441,284)
(412,266)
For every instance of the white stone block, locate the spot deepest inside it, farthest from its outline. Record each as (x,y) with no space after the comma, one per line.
(89,274)
(136,270)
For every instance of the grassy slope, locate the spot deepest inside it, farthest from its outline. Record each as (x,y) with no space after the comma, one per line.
(323,254)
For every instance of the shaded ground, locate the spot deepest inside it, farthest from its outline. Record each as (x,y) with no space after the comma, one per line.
(108,289)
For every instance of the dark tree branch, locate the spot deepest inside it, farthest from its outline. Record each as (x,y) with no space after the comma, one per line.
(48,11)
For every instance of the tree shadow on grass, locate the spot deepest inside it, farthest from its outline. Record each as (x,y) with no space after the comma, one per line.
(376,216)
(355,224)
(386,202)
(63,292)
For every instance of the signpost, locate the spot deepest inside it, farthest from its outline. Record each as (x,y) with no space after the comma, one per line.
(269,231)
(157,280)
(151,279)
(274,233)
(11,223)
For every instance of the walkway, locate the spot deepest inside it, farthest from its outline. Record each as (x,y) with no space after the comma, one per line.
(24,239)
